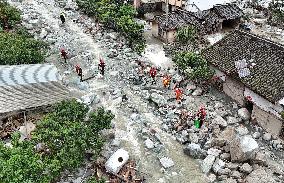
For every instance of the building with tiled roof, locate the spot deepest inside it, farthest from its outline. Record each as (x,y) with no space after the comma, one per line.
(206,22)
(261,76)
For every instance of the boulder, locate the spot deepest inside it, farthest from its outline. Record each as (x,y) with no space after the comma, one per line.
(260,158)
(232,120)
(242,130)
(214,152)
(225,171)
(244,114)
(260,176)
(211,178)
(158,99)
(228,134)
(194,151)
(243,148)
(256,135)
(149,144)
(207,164)
(193,138)
(116,161)
(230,180)
(225,156)
(236,174)
(218,164)
(267,137)
(218,120)
(232,166)
(197,92)
(166,162)
(246,168)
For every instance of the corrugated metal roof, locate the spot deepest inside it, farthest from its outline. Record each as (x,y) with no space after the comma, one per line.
(29,86)
(27,74)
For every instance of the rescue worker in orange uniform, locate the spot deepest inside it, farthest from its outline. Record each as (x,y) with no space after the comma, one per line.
(179,93)
(153,73)
(166,81)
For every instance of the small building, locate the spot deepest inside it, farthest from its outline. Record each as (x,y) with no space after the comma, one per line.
(251,69)
(216,19)
(27,87)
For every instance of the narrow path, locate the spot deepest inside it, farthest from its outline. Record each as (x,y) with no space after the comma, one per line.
(85,51)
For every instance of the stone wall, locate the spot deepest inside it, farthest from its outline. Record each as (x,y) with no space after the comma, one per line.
(268,121)
(234,89)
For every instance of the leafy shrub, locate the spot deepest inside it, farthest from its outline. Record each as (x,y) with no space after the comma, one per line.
(9,16)
(118,16)
(199,69)
(17,49)
(277,10)
(67,138)
(186,34)
(282,114)
(94,180)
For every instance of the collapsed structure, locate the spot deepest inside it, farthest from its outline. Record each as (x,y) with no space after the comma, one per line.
(25,87)
(251,67)
(208,21)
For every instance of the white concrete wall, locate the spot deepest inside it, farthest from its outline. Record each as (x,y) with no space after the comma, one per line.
(263,103)
(266,120)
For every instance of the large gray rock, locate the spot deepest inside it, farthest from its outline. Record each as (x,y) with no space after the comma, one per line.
(207,164)
(166,162)
(246,168)
(197,92)
(244,114)
(193,138)
(194,151)
(158,99)
(218,120)
(232,120)
(267,137)
(149,144)
(243,148)
(218,165)
(260,176)
(242,130)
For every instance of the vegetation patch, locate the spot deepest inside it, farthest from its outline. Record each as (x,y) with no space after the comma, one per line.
(193,66)
(119,16)
(9,16)
(186,34)
(59,143)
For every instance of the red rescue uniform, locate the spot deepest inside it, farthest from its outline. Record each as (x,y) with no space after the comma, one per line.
(179,93)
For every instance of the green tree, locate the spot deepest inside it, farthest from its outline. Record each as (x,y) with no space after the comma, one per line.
(186,34)
(9,16)
(277,9)
(67,137)
(193,66)
(119,17)
(17,49)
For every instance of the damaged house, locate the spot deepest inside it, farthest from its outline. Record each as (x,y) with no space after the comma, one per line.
(220,17)
(251,69)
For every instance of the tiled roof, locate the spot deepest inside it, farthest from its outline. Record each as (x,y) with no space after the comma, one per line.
(267,76)
(201,20)
(228,11)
